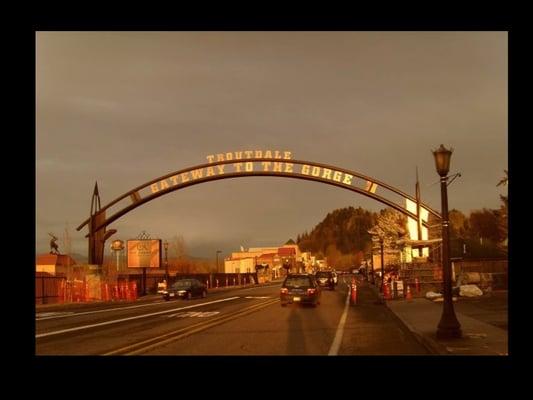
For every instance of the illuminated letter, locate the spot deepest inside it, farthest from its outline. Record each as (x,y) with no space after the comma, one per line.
(337,176)
(238,166)
(259,154)
(287,155)
(220,157)
(174,179)
(249,166)
(268,154)
(210,159)
(347,179)
(277,166)
(154,188)
(315,171)
(197,173)
(266,165)
(327,173)
(238,155)
(249,153)
(229,156)
(210,171)
(220,169)
(277,154)
(184,177)
(305,169)
(371,187)
(288,167)
(164,184)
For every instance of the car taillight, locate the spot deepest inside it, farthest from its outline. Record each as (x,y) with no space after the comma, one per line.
(284,291)
(311,291)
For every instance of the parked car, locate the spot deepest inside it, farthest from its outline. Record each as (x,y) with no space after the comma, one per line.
(325,278)
(300,289)
(185,289)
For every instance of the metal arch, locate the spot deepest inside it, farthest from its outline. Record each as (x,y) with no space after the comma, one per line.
(257,173)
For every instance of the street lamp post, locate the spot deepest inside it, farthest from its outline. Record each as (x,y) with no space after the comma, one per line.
(449,326)
(165,244)
(211,274)
(382,263)
(372,266)
(218,251)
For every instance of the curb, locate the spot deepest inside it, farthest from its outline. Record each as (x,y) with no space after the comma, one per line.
(429,344)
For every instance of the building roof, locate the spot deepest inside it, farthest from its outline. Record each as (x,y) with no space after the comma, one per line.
(267,256)
(55,259)
(286,251)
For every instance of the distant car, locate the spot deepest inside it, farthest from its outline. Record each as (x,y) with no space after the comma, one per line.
(326,279)
(300,289)
(185,289)
(161,287)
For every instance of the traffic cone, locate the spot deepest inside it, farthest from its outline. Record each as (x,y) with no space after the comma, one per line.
(386,291)
(62,291)
(408,295)
(134,290)
(417,285)
(353,293)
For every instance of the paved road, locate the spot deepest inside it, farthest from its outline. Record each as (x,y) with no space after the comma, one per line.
(246,321)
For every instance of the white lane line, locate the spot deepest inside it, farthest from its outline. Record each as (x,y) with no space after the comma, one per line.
(121,308)
(334,350)
(56,314)
(116,321)
(199,314)
(73,314)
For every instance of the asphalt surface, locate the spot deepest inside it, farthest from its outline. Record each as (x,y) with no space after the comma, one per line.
(246,321)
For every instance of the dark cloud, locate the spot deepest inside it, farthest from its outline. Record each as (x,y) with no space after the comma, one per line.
(123,108)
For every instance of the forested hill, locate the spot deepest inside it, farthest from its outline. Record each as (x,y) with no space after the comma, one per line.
(343,231)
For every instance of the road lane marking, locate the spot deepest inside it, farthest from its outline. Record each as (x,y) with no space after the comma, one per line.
(334,350)
(199,314)
(257,297)
(116,321)
(55,314)
(148,344)
(73,314)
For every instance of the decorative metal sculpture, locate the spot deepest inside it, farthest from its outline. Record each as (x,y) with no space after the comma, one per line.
(54,248)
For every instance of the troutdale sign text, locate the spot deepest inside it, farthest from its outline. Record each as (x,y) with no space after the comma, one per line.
(279,164)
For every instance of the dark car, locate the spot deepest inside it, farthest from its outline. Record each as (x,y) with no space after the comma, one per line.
(326,279)
(300,289)
(185,289)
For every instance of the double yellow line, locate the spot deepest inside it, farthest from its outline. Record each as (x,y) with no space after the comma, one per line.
(149,344)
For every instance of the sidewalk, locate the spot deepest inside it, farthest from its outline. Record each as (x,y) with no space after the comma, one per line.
(422,316)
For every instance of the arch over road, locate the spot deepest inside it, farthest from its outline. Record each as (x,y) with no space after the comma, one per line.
(237,168)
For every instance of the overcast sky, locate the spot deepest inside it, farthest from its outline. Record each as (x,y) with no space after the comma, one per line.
(123,108)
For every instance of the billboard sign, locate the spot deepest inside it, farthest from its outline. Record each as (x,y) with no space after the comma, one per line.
(144,253)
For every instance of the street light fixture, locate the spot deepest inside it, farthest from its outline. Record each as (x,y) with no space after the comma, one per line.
(449,326)
(165,244)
